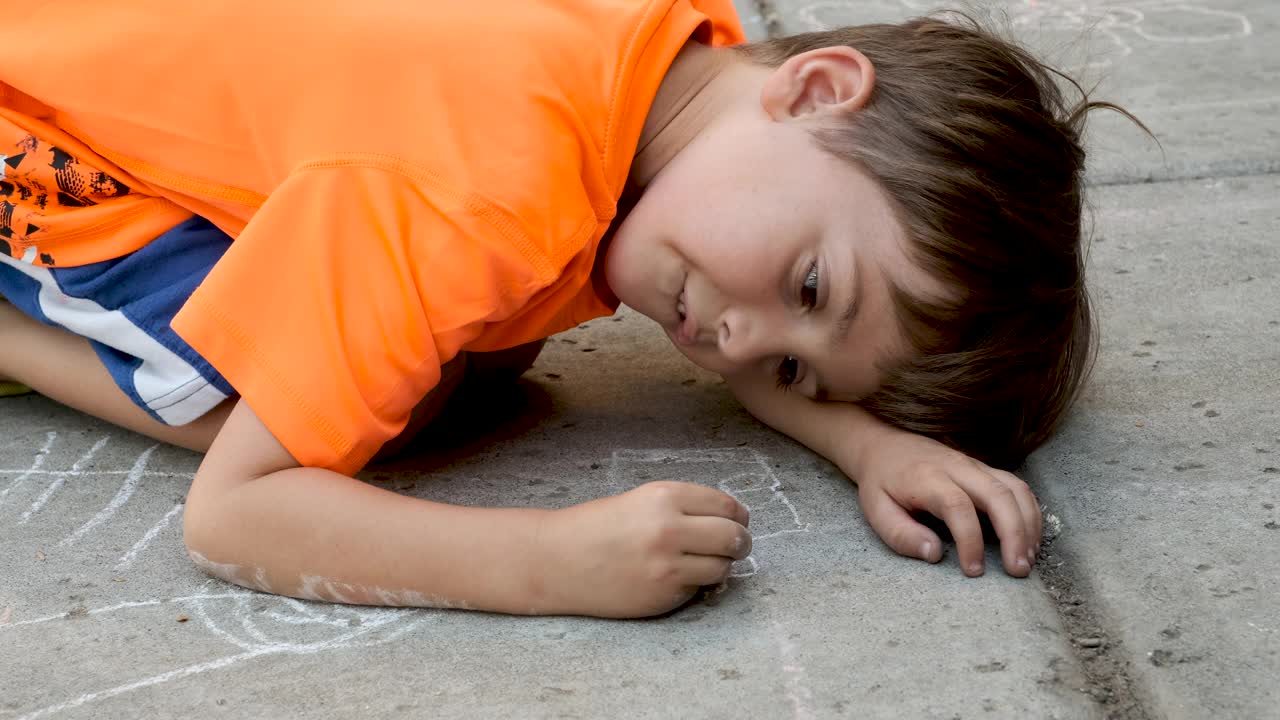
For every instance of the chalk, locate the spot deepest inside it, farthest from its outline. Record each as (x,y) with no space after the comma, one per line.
(61,478)
(744,473)
(36,464)
(1121,23)
(127,559)
(122,496)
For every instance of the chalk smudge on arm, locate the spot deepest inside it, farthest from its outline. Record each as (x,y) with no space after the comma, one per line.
(323,589)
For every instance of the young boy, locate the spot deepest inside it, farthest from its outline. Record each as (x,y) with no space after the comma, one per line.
(873,234)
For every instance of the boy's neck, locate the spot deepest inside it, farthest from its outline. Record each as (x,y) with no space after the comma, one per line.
(700,85)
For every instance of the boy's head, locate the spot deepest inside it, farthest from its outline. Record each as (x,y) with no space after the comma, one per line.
(930,171)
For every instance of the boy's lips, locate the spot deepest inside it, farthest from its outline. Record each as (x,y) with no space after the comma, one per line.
(687,330)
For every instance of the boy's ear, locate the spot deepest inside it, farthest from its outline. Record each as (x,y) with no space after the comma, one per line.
(827,80)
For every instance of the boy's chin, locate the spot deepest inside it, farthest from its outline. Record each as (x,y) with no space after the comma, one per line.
(692,355)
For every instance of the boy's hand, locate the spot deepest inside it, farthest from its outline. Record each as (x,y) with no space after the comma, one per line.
(902,472)
(643,552)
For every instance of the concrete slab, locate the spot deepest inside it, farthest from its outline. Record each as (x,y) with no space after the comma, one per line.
(102,616)
(1201,74)
(1167,478)
(752,19)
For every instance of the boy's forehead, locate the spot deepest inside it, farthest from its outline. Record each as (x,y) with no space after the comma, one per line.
(877,340)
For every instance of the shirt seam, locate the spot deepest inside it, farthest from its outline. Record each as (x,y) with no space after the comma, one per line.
(622,78)
(195,187)
(329,434)
(52,242)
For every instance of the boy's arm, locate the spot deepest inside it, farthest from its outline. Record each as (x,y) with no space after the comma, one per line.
(898,472)
(255,518)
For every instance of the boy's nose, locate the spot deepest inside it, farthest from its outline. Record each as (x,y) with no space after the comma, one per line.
(743,336)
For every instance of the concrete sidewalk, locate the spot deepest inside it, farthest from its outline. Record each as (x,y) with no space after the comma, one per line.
(1158,597)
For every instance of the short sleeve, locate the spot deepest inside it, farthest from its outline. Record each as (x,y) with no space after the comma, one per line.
(334,309)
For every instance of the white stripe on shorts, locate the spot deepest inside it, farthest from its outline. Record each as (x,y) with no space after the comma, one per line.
(173,389)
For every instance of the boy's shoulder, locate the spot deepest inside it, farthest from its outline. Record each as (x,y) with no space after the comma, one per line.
(536,106)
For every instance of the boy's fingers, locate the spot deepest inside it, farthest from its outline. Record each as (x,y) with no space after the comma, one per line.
(703,569)
(939,495)
(1000,504)
(709,535)
(897,528)
(1030,506)
(694,499)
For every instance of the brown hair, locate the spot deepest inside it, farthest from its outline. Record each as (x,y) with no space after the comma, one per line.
(973,141)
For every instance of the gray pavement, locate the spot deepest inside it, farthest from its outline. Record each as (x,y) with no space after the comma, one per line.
(1168,477)
(1202,74)
(1157,598)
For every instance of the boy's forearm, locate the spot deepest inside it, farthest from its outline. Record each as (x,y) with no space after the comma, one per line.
(840,432)
(317,535)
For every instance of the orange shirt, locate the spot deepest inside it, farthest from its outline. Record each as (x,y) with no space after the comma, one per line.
(404,180)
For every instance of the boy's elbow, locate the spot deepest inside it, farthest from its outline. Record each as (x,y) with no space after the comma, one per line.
(199,534)
(244,451)
(205,519)
(206,547)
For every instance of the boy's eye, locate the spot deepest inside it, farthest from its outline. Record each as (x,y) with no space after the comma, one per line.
(788,370)
(809,290)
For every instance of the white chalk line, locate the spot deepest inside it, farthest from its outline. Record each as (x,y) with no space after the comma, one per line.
(733,484)
(35,466)
(371,620)
(125,606)
(1078,16)
(127,559)
(122,496)
(796,683)
(1208,105)
(62,478)
(260,651)
(299,606)
(146,682)
(96,473)
(306,620)
(260,638)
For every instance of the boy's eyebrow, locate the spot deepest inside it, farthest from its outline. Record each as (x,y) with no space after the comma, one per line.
(845,321)
(841,333)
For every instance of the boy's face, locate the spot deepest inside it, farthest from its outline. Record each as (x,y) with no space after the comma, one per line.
(751,247)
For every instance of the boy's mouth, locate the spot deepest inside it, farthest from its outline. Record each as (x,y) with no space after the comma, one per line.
(687,330)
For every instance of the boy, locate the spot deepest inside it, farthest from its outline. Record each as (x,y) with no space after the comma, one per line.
(885,215)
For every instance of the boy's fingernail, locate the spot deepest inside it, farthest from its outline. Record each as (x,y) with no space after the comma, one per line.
(1021,564)
(926,551)
(975,569)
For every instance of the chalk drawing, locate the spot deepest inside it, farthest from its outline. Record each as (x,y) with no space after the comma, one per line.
(748,476)
(36,466)
(248,621)
(796,681)
(60,478)
(127,559)
(741,472)
(122,496)
(1227,104)
(1122,23)
(256,625)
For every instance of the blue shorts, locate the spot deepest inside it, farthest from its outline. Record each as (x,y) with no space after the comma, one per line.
(124,306)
